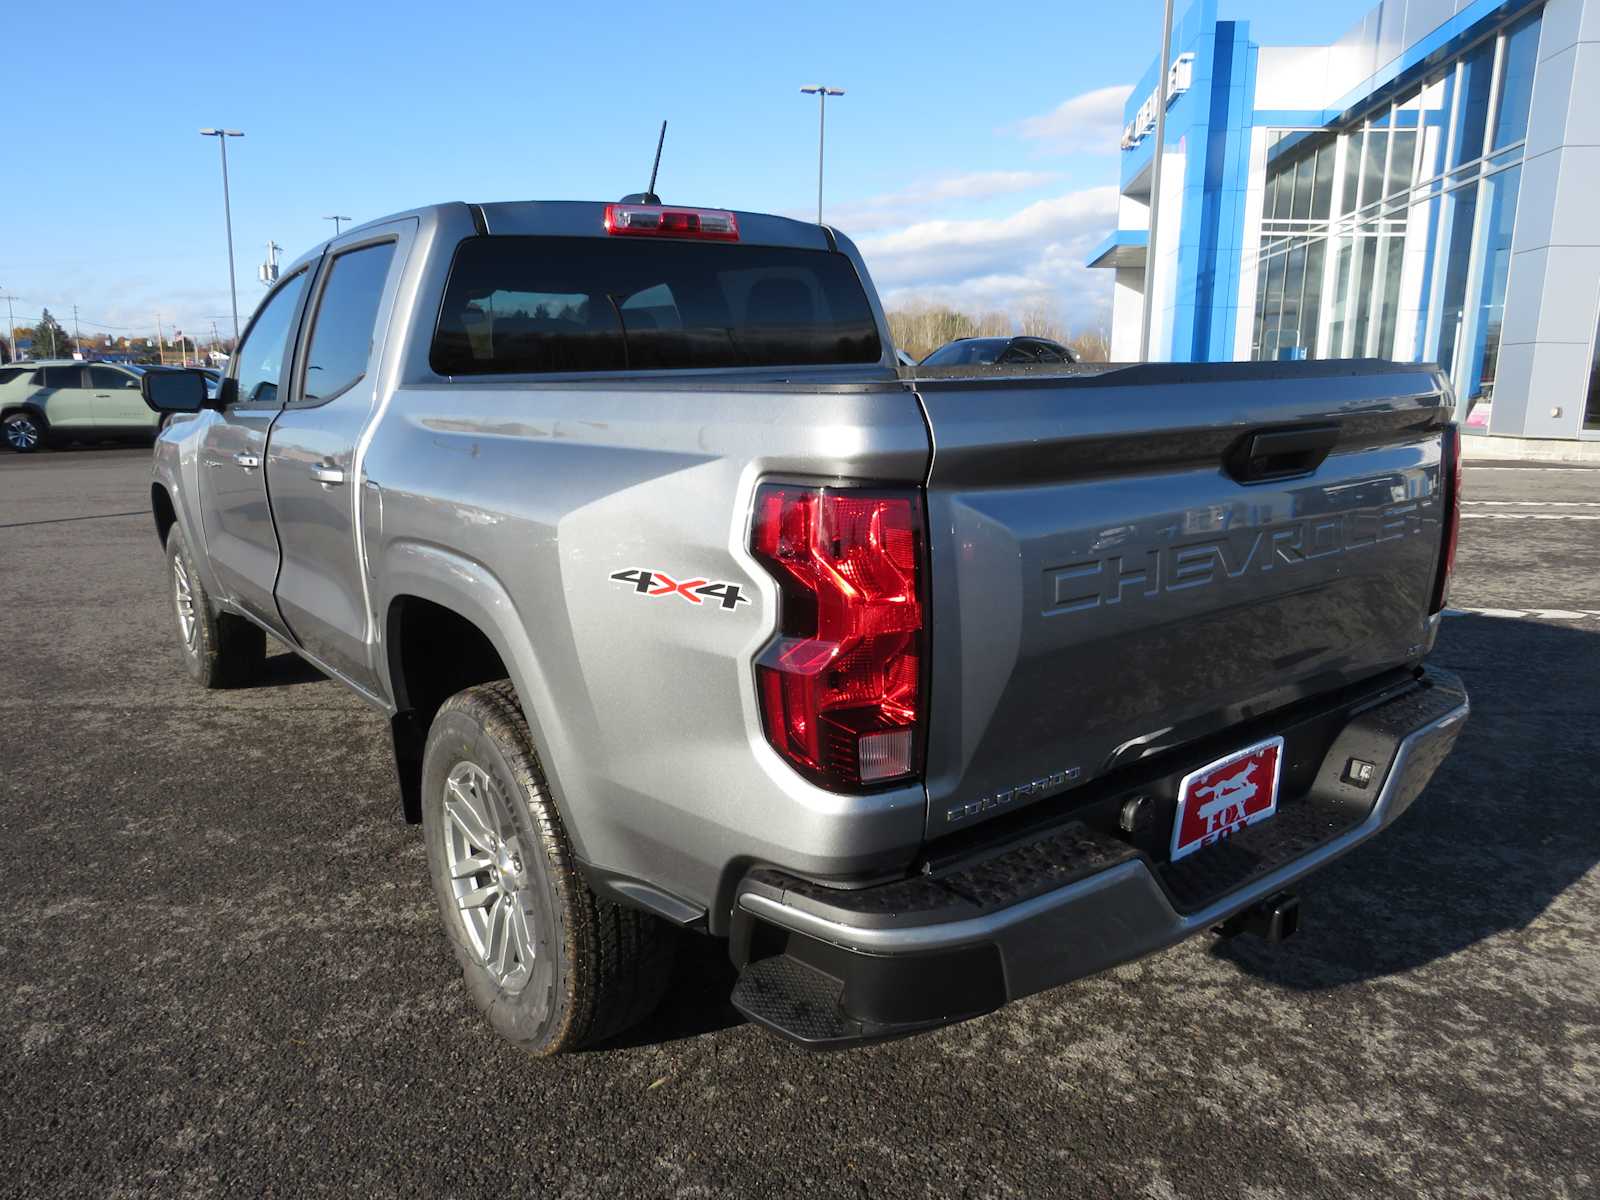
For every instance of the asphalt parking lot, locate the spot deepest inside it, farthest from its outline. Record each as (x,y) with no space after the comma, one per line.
(220,969)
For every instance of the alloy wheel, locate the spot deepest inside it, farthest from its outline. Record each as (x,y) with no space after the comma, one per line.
(488,874)
(21,433)
(183,601)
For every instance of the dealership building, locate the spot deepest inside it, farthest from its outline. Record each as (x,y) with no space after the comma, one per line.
(1427,189)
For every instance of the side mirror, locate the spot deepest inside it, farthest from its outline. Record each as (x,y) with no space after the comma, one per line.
(173,391)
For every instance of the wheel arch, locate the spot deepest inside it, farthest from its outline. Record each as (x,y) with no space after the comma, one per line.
(30,406)
(448,624)
(162,510)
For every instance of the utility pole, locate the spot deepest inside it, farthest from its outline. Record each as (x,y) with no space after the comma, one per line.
(1163,78)
(11,324)
(161,342)
(822,93)
(77,335)
(335,221)
(222,136)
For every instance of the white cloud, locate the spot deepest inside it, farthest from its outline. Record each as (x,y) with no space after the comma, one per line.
(1031,259)
(895,208)
(1090,123)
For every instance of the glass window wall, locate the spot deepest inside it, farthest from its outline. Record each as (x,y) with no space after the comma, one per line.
(1392,237)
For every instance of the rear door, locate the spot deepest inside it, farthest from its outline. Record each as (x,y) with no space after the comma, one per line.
(1123,564)
(313,461)
(116,401)
(240,542)
(69,404)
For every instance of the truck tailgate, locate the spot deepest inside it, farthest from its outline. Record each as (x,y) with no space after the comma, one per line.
(1127,561)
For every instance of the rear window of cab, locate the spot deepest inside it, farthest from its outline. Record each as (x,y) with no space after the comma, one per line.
(533,305)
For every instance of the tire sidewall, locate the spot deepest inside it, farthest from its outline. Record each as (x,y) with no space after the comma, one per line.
(539,1016)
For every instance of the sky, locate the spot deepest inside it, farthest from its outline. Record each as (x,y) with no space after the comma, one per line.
(973,158)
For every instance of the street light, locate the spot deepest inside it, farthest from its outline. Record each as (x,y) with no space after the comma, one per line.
(821,93)
(222,136)
(335,221)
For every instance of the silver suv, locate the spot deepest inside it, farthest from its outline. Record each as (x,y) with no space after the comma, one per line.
(57,400)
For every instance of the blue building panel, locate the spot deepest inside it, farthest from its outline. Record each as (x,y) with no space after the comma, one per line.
(1312,208)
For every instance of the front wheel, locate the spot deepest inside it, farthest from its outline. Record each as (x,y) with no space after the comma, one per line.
(25,432)
(550,964)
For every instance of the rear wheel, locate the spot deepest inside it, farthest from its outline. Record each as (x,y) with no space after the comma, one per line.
(219,649)
(550,964)
(25,432)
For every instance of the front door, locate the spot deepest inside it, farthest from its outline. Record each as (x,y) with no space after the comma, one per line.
(312,463)
(116,401)
(240,542)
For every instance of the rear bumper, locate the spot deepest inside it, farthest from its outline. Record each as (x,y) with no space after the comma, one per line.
(828,967)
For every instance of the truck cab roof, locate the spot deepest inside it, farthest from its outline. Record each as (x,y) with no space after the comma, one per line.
(581,218)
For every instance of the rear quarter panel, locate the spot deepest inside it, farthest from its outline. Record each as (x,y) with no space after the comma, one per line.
(517,503)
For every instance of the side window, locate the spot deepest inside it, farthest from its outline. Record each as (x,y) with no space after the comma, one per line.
(341,335)
(1017,353)
(260,356)
(62,377)
(106,378)
(7,374)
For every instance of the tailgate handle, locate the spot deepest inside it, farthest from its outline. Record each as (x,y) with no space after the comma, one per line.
(1281,454)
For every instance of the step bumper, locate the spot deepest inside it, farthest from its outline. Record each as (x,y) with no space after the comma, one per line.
(833,968)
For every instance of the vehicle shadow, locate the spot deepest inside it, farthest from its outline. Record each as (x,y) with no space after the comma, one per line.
(1506,826)
(696,1001)
(282,669)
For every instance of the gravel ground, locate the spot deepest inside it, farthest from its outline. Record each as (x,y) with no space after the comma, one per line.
(220,971)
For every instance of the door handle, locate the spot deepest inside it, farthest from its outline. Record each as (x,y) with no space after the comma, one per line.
(247,460)
(328,476)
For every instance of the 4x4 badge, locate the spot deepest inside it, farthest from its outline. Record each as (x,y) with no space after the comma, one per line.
(696,591)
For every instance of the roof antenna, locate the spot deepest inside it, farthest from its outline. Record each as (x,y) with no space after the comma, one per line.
(648,196)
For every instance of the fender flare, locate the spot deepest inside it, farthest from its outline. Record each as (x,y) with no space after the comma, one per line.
(470,589)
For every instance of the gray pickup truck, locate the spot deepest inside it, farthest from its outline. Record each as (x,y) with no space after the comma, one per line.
(690,610)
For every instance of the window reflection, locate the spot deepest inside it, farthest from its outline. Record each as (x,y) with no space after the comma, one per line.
(1591,412)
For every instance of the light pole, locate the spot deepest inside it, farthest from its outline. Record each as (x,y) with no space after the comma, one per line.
(1163,77)
(821,93)
(335,221)
(222,136)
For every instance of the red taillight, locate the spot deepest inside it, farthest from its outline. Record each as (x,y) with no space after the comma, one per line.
(1450,480)
(841,685)
(651,220)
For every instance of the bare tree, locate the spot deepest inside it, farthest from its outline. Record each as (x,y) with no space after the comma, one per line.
(1043,323)
(1092,346)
